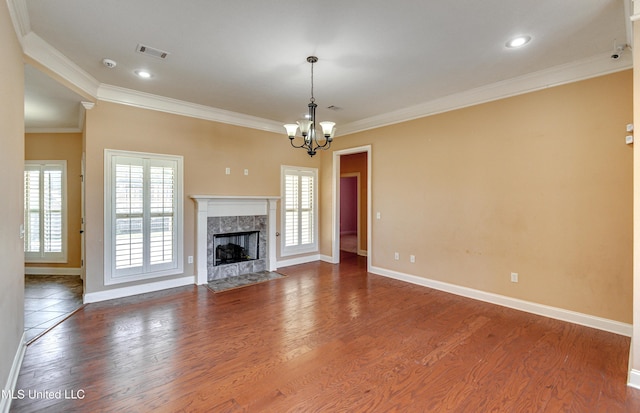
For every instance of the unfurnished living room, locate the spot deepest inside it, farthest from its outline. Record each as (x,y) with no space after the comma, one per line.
(362,206)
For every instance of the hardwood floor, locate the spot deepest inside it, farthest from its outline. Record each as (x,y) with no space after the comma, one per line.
(326,338)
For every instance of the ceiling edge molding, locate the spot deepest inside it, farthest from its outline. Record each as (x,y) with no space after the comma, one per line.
(632,9)
(629,18)
(48,56)
(19,17)
(555,76)
(116,94)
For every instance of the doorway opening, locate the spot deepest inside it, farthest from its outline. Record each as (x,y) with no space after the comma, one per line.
(350,212)
(352,203)
(54,285)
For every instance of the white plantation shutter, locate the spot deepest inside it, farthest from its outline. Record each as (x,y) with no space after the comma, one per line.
(162,199)
(45,211)
(291,202)
(299,210)
(144,221)
(32,209)
(129,214)
(306,209)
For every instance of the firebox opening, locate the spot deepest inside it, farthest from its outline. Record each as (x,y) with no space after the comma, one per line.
(236,247)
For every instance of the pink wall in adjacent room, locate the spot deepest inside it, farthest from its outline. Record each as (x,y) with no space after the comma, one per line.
(348,205)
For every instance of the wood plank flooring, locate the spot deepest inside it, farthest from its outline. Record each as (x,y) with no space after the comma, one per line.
(324,339)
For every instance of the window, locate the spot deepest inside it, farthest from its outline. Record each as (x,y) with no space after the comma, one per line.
(45,211)
(299,206)
(143,216)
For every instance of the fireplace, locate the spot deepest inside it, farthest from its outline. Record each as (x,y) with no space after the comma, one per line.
(235,247)
(217,215)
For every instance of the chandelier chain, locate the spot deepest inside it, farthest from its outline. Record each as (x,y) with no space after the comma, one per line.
(312,98)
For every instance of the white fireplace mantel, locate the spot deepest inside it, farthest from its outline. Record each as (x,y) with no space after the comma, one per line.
(220,206)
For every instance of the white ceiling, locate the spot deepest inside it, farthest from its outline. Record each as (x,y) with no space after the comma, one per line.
(376,57)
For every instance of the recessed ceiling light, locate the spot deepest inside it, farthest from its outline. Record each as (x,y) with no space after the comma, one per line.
(518,41)
(143,74)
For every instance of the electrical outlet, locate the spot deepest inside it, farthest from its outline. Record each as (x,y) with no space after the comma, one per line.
(514,277)
(412,258)
(246,172)
(227,171)
(190,259)
(397,256)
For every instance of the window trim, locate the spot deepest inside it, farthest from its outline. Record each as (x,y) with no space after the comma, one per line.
(304,248)
(177,265)
(50,257)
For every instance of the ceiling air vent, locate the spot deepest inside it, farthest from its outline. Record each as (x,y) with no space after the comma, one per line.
(150,51)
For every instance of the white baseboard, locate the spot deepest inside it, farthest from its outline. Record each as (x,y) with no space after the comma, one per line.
(137,289)
(329,259)
(599,323)
(362,253)
(52,271)
(299,260)
(10,387)
(634,379)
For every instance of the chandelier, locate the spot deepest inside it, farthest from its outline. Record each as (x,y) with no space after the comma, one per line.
(307,126)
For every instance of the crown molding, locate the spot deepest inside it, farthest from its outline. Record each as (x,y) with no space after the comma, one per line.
(42,52)
(573,72)
(46,55)
(116,94)
(19,17)
(628,21)
(576,71)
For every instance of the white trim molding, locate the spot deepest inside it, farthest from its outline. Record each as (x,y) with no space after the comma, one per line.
(52,271)
(19,17)
(137,289)
(329,259)
(634,379)
(574,317)
(303,260)
(43,53)
(555,76)
(48,56)
(10,386)
(115,94)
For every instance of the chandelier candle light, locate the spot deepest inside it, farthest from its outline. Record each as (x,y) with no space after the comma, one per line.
(307,126)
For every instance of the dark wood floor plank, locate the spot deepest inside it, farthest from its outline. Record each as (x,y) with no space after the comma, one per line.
(323,338)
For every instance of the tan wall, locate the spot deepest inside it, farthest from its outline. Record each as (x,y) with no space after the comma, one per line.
(62,146)
(208,148)
(539,184)
(11,209)
(635,340)
(357,163)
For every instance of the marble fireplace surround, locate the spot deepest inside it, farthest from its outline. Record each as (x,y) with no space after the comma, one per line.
(223,206)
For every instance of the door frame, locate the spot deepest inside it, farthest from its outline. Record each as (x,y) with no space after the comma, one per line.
(335,248)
